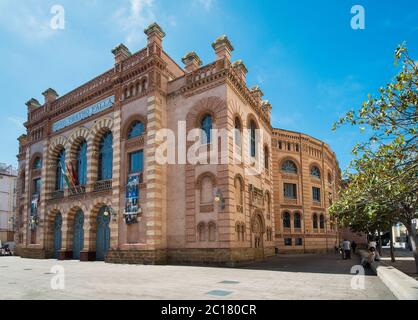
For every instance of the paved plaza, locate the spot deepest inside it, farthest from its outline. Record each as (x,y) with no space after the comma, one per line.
(281,277)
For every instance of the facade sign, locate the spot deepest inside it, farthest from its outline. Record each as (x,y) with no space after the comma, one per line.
(83,114)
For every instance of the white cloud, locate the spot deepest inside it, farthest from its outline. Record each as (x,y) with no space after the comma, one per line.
(206,4)
(135,19)
(28,20)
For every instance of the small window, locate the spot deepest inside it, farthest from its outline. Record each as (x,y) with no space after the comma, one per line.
(315,221)
(289,167)
(238,129)
(298,242)
(288,241)
(37,164)
(286,220)
(316,194)
(322,221)
(266,157)
(136,130)
(253,143)
(315,172)
(136,162)
(206,126)
(37,186)
(290,191)
(297,221)
(329,177)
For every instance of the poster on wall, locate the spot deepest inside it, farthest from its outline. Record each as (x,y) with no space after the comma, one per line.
(132,199)
(33,221)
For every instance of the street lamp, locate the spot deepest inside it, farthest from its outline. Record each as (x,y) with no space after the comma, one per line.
(109,211)
(220,199)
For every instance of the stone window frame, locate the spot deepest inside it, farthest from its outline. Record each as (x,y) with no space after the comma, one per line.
(251,118)
(285,213)
(239,178)
(315,166)
(199,180)
(295,162)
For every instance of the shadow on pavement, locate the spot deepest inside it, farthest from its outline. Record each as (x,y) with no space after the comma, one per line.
(308,263)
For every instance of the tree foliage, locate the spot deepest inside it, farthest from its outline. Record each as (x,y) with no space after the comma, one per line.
(383,186)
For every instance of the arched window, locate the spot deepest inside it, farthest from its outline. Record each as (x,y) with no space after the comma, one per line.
(268,205)
(37,163)
(253,144)
(238,192)
(144,85)
(238,231)
(266,157)
(201,230)
(82,163)
(243,232)
(212,231)
(105,157)
(289,167)
(297,221)
(60,171)
(286,220)
(315,221)
(315,172)
(136,130)
(322,221)
(206,126)
(206,190)
(238,129)
(329,177)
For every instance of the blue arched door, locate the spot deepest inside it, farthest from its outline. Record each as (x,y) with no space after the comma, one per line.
(78,239)
(57,235)
(102,233)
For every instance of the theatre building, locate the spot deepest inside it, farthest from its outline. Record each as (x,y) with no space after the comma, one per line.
(91,185)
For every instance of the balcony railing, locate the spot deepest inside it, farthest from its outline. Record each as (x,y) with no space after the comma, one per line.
(75,191)
(58,194)
(102,185)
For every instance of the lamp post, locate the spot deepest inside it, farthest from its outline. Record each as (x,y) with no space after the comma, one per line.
(220,199)
(109,211)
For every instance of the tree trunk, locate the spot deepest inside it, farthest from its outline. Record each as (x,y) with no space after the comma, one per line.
(413,241)
(380,242)
(392,253)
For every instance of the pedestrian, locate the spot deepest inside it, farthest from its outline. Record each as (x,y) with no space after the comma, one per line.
(347,249)
(372,244)
(371,257)
(354,246)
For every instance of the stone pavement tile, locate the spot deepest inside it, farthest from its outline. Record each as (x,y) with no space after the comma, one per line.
(305,277)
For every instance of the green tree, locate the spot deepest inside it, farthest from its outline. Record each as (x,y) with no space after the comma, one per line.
(384,186)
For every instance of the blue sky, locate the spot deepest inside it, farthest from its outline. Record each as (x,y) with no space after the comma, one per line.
(309,62)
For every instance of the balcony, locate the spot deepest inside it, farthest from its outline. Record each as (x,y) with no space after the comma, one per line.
(102,185)
(58,194)
(75,191)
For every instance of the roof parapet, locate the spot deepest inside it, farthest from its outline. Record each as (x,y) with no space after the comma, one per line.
(223,48)
(192,61)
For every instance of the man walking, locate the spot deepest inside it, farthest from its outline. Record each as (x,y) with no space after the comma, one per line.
(347,249)
(354,246)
